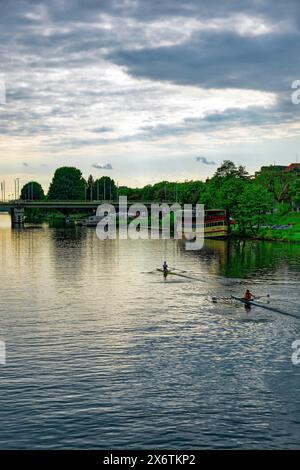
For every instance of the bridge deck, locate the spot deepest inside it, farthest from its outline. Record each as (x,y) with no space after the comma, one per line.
(66,204)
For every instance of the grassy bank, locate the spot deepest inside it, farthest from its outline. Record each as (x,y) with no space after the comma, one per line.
(37,216)
(291,233)
(270,230)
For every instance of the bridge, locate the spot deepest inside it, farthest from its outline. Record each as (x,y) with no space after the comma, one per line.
(17,207)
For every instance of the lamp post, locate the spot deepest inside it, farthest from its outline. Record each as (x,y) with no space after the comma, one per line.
(18,187)
(3,190)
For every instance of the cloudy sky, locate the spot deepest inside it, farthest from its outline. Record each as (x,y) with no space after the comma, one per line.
(146,90)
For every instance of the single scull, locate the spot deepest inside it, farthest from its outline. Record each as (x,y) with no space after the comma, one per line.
(173,273)
(254,303)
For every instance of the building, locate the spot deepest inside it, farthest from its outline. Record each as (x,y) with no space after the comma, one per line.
(273,168)
(292,168)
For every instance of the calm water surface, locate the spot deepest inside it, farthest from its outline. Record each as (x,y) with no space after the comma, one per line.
(103,353)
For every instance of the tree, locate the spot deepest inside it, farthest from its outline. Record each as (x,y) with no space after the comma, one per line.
(224,188)
(160,191)
(277,182)
(67,184)
(253,205)
(295,193)
(146,193)
(229,169)
(223,193)
(90,187)
(32,191)
(132,194)
(104,188)
(190,192)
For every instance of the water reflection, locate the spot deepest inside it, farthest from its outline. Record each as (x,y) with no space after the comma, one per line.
(103,353)
(245,258)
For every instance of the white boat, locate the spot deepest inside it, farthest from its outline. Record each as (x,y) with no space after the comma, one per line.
(91,221)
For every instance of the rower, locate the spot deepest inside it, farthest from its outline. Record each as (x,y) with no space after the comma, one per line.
(165,269)
(248,295)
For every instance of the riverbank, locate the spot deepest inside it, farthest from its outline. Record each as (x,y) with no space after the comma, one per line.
(38,216)
(284,228)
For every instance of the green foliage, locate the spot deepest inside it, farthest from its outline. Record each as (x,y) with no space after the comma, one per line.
(133,194)
(104,188)
(190,192)
(222,191)
(283,208)
(32,191)
(229,169)
(252,206)
(277,182)
(67,184)
(295,192)
(250,201)
(89,187)
(291,219)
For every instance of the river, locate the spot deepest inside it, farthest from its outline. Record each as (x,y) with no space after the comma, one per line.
(103,353)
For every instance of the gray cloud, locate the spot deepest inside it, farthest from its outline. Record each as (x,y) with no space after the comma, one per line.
(102,129)
(205,161)
(100,166)
(220,60)
(54,52)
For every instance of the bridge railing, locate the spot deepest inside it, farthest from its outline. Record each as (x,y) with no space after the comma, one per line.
(15,202)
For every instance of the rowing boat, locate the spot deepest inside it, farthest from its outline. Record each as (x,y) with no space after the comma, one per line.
(177,274)
(254,303)
(250,302)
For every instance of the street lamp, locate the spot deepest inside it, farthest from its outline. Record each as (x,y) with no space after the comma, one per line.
(17,188)
(2,185)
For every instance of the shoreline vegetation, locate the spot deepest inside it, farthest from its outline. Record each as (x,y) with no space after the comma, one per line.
(265,206)
(284,228)
(290,234)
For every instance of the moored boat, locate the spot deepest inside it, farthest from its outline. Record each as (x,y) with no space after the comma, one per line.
(91,221)
(216,223)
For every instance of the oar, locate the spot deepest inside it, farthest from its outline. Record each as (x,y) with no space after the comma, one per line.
(262,305)
(216,299)
(258,297)
(179,274)
(176,269)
